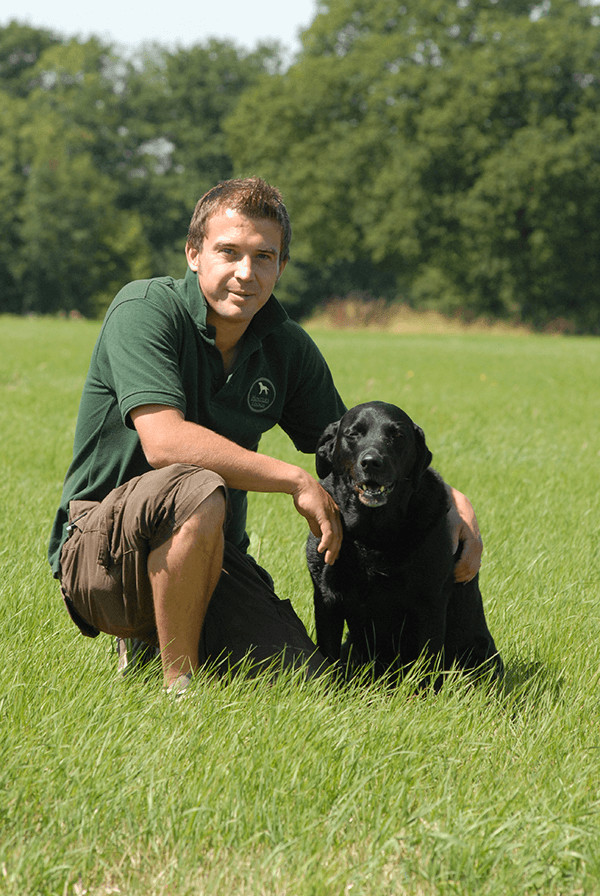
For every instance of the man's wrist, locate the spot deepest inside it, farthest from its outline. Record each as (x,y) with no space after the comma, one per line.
(298,480)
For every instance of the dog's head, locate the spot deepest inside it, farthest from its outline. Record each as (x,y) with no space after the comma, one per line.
(377,449)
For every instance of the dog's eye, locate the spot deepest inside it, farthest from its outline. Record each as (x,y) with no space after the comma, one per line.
(351,435)
(394,433)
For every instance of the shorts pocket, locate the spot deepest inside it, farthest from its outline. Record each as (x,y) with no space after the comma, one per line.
(93,519)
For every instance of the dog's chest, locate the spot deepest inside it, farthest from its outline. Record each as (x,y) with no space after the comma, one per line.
(378,567)
(365,574)
(375,580)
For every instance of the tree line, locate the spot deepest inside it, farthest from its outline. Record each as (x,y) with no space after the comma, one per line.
(445,152)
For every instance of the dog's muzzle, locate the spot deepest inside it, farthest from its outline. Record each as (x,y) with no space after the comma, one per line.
(373,495)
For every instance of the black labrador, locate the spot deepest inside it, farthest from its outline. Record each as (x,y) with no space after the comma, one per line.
(393,580)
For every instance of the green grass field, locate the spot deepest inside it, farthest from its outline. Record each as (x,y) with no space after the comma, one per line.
(108,787)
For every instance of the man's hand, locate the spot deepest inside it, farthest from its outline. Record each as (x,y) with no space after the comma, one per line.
(464,529)
(323,516)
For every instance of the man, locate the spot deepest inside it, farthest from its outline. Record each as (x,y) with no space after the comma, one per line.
(149,541)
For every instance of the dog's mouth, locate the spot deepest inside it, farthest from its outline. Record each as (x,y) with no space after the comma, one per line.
(373,495)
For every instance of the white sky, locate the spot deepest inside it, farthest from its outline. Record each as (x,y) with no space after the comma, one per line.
(172,23)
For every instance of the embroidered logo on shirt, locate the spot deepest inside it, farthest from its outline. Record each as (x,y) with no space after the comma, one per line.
(261,395)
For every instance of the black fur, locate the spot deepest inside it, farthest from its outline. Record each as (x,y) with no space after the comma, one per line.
(393,580)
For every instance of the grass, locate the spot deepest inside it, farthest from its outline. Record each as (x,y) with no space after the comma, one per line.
(291,788)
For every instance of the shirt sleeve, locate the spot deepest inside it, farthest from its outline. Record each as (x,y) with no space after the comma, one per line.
(139,354)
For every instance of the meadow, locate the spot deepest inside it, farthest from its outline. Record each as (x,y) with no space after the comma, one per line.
(293,788)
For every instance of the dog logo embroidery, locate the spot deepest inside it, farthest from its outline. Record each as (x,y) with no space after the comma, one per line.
(261,395)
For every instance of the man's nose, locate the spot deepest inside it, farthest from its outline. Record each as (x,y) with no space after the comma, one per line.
(244,270)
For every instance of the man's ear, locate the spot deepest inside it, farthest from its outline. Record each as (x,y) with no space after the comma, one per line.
(325,448)
(282,265)
(192,254)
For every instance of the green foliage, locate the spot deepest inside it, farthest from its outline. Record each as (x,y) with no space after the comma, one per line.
(102,161)
(454,146)
(107,787)
(444,152)
(67,241)
(20,49)
(175,104)
(77,246)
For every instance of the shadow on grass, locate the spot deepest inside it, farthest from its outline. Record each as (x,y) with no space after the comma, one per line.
(530,683)
(527,684)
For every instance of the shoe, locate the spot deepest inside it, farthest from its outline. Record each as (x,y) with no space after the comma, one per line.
(133,654)
(179,687)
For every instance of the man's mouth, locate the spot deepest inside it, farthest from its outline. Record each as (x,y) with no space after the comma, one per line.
(373,495)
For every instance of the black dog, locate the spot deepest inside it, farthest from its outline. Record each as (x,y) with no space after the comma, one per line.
(393,580)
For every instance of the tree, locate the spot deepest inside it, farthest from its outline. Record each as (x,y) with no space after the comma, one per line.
(102,161)
(11,191)
(68,244)
(78,248)
(172,135)
(20,50)
(452,146)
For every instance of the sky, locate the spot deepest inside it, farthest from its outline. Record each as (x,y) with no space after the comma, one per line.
(129,23)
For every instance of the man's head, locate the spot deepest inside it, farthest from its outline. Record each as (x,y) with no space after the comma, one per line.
(238,245)
(251,197)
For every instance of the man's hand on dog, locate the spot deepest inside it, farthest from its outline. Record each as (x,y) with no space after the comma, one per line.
(465,530)
(323,516)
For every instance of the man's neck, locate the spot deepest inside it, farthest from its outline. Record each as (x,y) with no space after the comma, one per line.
(228,340)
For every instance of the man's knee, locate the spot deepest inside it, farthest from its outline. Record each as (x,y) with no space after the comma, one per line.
(158,503)
(209,518)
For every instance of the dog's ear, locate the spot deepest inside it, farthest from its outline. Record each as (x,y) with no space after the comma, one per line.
(324,452)
(424,455)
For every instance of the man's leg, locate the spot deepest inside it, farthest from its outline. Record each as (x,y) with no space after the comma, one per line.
(173,516)
(183,574)
(143,564)
(247,626)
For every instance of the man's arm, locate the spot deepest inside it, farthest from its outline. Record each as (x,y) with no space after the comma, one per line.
(464,528)
(167,438)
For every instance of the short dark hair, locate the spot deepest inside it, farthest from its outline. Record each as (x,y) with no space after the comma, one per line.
(250,196)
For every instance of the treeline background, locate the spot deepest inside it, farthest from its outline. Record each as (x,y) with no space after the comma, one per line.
(444,153)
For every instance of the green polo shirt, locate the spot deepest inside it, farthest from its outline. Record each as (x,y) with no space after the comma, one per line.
(155,347)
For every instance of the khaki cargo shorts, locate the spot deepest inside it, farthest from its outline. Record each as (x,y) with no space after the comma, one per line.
(105,584)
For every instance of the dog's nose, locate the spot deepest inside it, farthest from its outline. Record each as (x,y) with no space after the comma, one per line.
(371,459)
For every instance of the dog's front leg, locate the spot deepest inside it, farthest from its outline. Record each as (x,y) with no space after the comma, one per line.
(426,645)
(469,642)
(329,622)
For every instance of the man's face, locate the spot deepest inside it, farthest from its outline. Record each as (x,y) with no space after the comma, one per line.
(237,266)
